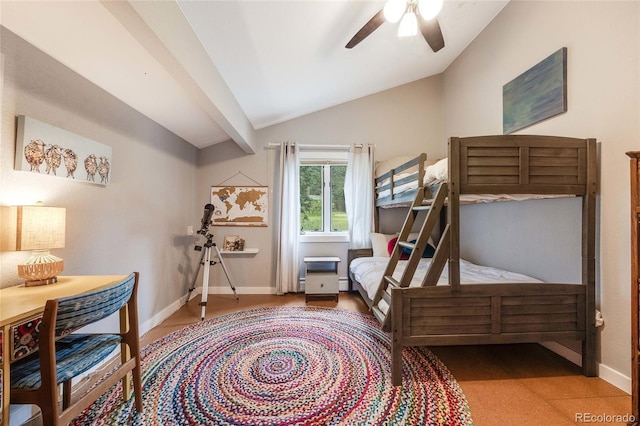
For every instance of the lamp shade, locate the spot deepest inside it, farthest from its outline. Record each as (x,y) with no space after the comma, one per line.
(38,229)
(33,228)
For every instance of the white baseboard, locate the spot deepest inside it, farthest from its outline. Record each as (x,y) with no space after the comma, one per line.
(172,308)
(240,291)
(614,377)
(20,414)
(606,373)
(162,315)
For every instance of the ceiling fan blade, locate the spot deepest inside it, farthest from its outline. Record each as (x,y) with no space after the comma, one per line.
(432,34)
(368,28)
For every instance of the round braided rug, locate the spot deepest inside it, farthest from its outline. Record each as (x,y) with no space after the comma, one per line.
(285,366)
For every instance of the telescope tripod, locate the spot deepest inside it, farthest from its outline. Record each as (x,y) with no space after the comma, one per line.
(205,259)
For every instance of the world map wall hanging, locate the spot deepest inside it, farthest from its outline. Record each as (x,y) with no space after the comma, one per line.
(239,205)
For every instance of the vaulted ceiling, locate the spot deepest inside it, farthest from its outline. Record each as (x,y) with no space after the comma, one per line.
(215,70)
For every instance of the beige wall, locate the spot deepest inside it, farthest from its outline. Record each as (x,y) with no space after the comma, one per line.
(400,121)
(603,45)
(137,222)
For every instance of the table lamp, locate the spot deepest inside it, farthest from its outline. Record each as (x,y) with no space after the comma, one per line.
(39,229)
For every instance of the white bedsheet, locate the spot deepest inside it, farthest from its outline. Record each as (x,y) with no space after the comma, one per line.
(368,272)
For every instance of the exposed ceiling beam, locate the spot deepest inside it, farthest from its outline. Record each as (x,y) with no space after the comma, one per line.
(180,52)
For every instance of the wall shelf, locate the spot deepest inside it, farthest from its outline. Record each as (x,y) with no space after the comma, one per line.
(245,251)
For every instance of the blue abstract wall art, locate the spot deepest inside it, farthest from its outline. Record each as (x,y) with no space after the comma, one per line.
(537,94)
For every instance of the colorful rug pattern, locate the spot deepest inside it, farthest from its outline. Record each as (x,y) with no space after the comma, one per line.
(285,366)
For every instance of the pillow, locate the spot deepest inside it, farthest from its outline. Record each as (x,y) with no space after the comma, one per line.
(437,171)
(414,236)
(429,250)
(379,244)
(392,244)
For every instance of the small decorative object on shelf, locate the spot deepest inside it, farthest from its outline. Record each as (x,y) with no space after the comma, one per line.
(233,243)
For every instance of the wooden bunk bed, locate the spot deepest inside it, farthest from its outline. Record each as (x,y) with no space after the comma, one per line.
(488,313)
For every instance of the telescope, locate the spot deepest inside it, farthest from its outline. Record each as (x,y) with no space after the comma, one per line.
(206,219)
(206,259)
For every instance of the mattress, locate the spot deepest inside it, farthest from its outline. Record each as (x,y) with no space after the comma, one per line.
(368,272)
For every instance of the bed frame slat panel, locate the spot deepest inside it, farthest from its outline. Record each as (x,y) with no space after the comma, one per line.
(540,327)
(554,152)
(539,309)
(522,165)
(554,161)
(569,171)
(492,152)
(493,171)
(487,338)
(540,300)
(450,311)
(436,302)
(449,329)
(451,320)
(540,319)
(493,161)
(553,180)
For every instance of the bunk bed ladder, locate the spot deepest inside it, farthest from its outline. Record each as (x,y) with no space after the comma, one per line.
(382,300)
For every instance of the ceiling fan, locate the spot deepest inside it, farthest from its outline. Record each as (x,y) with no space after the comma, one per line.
(406,12)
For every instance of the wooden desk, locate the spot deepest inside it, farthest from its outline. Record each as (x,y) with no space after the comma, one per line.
(23,306)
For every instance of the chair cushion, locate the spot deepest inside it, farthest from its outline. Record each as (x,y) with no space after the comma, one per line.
(75,354)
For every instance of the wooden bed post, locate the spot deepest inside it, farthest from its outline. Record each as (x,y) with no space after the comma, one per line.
(397,331)
(588,260)
(453,213)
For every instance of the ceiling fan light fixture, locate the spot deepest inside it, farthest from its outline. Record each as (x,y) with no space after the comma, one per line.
(429,9)
(408,25)
(394,9)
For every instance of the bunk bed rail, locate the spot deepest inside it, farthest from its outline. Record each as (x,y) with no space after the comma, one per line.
(398,176)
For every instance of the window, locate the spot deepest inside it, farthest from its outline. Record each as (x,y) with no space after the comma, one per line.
(322,207)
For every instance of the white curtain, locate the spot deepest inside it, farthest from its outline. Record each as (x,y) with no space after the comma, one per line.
(358,194)
(288,263)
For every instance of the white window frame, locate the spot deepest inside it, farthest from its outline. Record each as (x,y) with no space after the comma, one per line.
(313,157)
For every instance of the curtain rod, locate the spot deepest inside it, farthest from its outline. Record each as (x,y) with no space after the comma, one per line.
(309,146)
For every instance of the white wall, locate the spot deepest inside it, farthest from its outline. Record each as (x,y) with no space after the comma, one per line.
(603,44)
(402,121)
(138,222)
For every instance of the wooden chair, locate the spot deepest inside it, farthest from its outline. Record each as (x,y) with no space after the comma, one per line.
(63,356)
